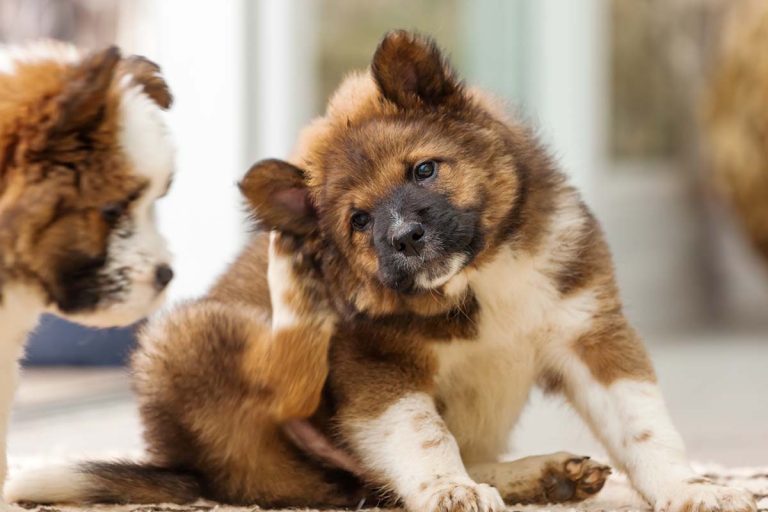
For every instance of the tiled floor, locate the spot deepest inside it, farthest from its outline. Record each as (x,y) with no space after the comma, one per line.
(716,388)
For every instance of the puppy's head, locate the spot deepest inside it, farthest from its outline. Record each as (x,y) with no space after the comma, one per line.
(413,178)
(84,155)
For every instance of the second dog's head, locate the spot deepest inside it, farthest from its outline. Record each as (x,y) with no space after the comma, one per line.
(412,179)
(84,155)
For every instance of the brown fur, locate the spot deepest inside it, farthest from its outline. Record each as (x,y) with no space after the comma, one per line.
(145,73)
(554,478)
(60,164)
(614,351)
(216,379)
(76,235)
(736,115)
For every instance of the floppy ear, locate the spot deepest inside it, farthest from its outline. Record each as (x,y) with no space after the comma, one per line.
(410,71)
(82,102)
(278,195)
(147,74)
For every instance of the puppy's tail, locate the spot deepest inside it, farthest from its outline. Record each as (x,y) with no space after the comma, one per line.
(103,482)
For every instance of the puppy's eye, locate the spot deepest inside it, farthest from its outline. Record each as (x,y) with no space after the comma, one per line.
(112,212)
(360,220)
(424,170)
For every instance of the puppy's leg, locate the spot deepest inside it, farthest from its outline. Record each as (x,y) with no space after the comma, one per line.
(554,478)
(408,448)
(294,359)
(608,377)
(9,368)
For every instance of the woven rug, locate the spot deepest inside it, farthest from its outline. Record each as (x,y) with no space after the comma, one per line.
(617,495)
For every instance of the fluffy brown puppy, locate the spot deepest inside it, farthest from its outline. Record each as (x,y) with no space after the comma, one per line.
(84,154)
(464,269)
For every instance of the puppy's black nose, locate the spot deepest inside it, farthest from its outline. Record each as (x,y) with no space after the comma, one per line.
(410,239)
(163,276)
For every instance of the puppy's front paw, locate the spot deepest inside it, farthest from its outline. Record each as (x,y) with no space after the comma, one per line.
(456,495)
(701,495)
(573,478)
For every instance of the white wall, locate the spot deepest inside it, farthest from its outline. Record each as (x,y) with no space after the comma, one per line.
(200,46)
(242,74)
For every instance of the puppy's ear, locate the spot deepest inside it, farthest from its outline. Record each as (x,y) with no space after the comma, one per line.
(411,72)
(278,195)
(82,103)
(147,74)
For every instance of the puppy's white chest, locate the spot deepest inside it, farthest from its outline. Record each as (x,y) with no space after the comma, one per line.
(483,383)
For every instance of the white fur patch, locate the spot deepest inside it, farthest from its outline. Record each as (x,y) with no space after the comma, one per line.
(520,311)
(38,51)
(49,484)
(410,445)
(631,420)
(19,313)
(144,137)
(455,264)
(136,248)
(281,279)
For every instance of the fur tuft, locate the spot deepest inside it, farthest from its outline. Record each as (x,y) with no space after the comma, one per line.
(52,484)
(103,482)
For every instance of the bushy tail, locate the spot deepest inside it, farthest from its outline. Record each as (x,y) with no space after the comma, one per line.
(103,482)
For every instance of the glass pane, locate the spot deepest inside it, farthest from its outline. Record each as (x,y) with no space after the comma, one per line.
(348,33)
(645,112)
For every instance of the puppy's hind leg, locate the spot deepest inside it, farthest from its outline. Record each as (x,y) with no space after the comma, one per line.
(554,478)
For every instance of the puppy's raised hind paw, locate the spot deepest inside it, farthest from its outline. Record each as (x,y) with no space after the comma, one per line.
(573,478)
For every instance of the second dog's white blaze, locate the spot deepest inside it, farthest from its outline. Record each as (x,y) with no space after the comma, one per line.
(411,445)
(136,247)
(280,279)
(144,137)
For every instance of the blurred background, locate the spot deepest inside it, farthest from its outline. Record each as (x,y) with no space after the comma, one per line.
(657,109)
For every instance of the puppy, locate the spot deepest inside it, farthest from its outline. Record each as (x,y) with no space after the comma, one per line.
(84,154)
(429,266)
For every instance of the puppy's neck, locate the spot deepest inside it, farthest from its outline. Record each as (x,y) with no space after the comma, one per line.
(20,309)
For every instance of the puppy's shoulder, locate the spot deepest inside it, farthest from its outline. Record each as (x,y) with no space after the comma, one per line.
(245,280)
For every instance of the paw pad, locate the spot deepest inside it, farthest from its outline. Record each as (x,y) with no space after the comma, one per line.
(576,479)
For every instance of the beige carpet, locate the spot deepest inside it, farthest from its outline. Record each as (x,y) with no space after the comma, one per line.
(617,495)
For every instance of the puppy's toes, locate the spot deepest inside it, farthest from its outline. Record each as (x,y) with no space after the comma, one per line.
(573,479)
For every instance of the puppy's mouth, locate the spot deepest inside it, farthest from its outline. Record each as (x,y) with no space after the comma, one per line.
(427,276)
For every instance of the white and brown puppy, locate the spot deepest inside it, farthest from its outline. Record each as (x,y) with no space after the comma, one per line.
(464,271)
(84,154)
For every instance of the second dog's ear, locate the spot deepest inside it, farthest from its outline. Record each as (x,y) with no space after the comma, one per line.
(147,74)
(82,103)
(278,195)
(411,72)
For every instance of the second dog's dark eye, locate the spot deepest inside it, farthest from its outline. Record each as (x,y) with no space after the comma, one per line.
(360,220)
(112,212)
(424,170)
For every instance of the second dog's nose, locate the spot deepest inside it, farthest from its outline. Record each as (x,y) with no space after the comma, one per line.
(163,276)
(409,240)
